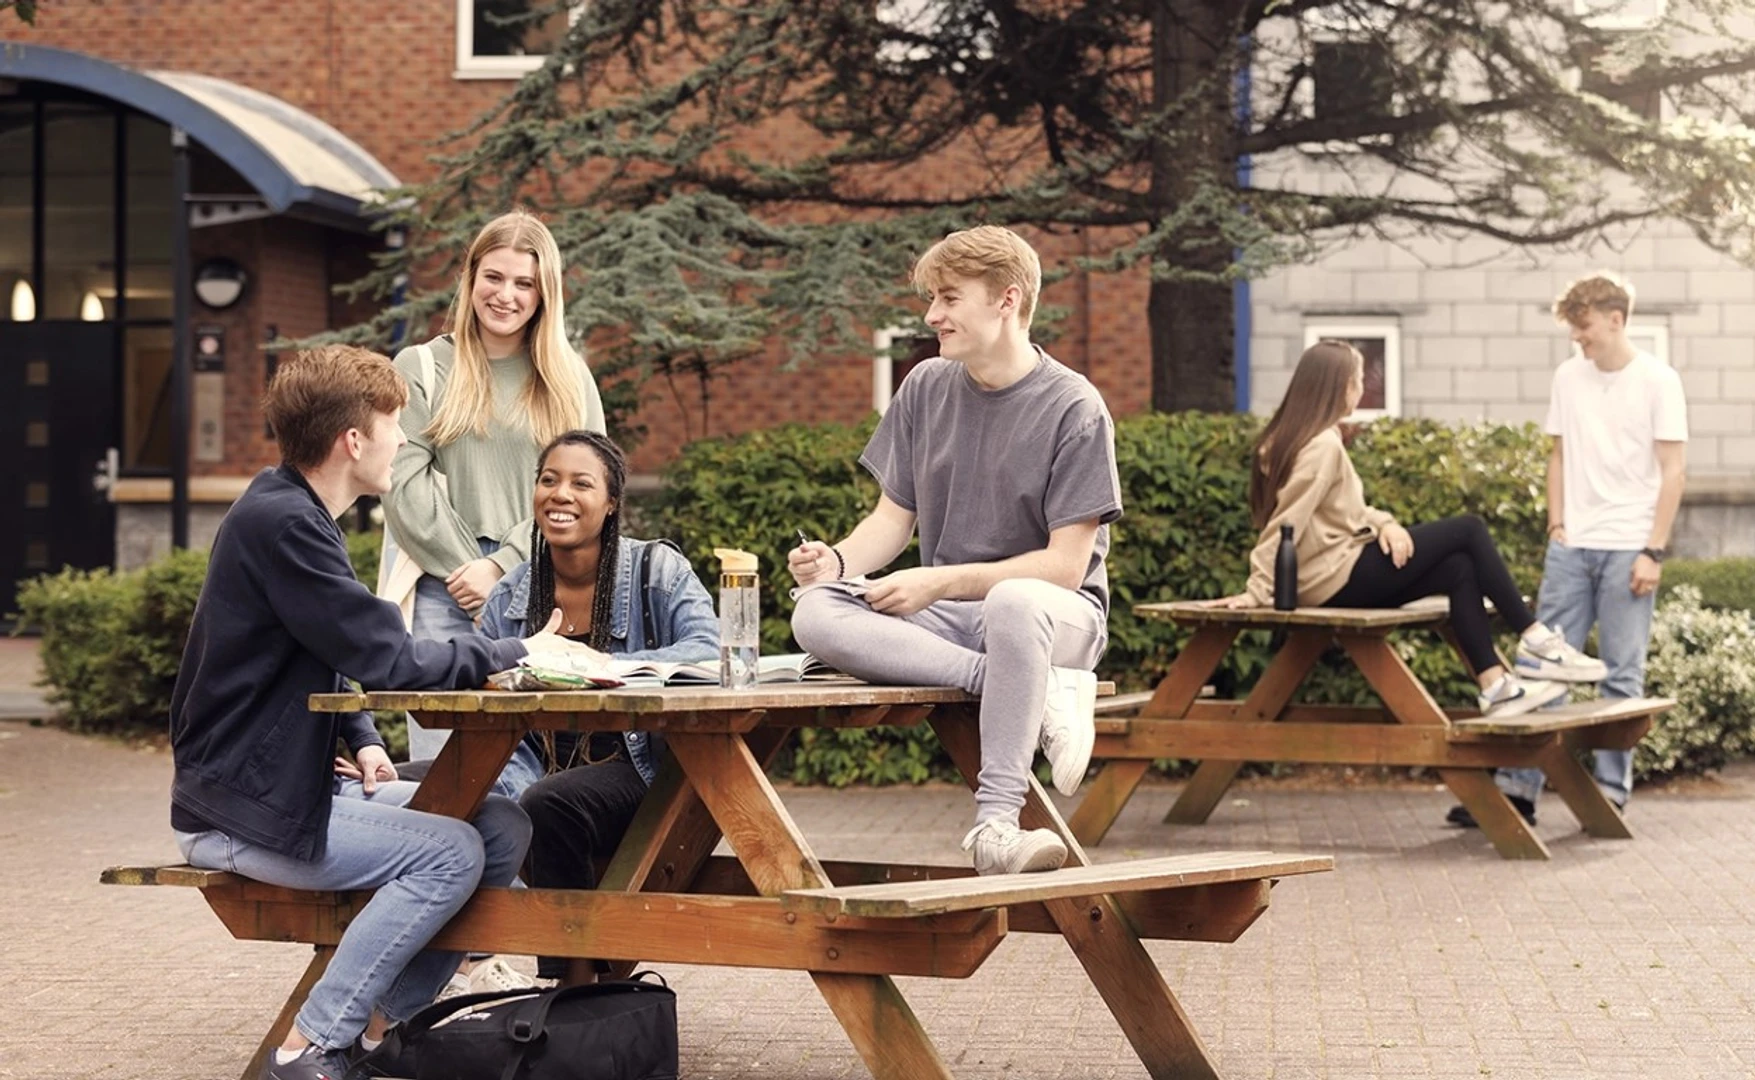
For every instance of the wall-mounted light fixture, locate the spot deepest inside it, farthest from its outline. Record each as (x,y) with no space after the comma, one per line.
(24,302)
(219,283)
(91,309)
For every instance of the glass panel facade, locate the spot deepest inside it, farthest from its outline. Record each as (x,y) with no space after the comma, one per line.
(146,397)
(17,166)
(79,211)
(148,277)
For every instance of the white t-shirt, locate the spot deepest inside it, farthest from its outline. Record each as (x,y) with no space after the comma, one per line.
(1609,423)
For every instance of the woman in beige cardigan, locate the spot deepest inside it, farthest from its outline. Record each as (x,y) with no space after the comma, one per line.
(1351,555)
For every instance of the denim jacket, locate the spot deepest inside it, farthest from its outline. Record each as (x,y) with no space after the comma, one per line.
(687,629)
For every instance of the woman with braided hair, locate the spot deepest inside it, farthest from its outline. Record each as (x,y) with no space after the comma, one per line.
(631,599)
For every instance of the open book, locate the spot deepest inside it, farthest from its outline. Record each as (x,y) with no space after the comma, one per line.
(857,586)
(785,667)
(560,671)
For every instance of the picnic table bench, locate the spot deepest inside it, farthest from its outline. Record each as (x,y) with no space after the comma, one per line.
(1407,729)
(775,904)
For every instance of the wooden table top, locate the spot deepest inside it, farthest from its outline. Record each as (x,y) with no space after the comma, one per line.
(1193,613)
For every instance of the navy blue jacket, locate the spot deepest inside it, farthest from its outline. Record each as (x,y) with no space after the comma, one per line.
(281,616)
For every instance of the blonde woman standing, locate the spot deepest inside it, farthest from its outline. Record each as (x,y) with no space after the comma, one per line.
(484,398)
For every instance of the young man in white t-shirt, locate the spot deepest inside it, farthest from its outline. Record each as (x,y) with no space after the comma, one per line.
(1615,477)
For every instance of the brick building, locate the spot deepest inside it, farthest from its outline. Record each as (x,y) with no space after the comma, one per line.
(295,110)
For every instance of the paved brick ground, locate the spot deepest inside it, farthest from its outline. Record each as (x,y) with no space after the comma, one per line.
(1424,955)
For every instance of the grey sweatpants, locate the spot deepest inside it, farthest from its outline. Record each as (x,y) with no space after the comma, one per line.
(1000,648)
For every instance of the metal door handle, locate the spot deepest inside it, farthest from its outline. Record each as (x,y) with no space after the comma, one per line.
(103,479)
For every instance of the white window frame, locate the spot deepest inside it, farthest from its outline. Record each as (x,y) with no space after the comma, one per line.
(883,365)
(1621,14)
(1387,328)
(1652,337)
(1321,27)
(471,66)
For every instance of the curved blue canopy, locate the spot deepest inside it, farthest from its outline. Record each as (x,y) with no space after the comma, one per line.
(290,157)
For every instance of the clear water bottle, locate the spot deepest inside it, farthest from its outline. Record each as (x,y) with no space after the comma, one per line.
(740,618)
(1286,572)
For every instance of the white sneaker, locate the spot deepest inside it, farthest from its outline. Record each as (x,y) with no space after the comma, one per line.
(495,975)
(457,987)
(1512,696)
(1069,726)
(1003,848)
(1544,654)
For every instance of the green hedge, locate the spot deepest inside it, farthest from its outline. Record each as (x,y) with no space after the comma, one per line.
(1705,659)
(111,643)
(1724,584)
(1185,534)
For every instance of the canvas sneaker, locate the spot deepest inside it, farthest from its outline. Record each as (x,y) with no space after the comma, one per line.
(1069,726)
(494,974)
(1512,696)
(457,987)
(315,1063)
(1546,655)
(1002,848)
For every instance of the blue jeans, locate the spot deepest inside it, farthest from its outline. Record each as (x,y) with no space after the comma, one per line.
(424,868)
(437,617)
(1582,587)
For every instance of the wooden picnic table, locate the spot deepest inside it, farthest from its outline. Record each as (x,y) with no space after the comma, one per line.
(776,904)
(1408,728)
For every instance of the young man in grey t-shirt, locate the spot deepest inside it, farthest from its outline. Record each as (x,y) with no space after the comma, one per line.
(1005,461)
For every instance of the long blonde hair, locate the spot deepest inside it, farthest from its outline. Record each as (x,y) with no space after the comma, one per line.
(555,399)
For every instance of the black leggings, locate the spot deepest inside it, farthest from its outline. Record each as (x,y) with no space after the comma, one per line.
(1454,557)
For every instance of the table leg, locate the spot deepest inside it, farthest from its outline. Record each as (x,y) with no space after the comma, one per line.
(1409,702)
(1583,797)
(1176,692)
(1105,943)
(728,777)
(465,771)
(295,1001)
(1104,800)
(1284,675)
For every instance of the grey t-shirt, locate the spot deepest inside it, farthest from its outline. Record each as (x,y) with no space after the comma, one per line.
(990,473)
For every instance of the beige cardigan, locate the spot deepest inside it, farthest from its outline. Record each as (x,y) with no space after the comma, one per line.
(1324,502)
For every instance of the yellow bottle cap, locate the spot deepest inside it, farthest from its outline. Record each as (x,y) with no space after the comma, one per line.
(735,561)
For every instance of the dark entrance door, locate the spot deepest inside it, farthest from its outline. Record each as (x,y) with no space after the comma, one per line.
(57,424)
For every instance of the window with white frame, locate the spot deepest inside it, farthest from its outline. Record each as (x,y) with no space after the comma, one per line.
(1598,76)
(1351,71)
(1653,338)
(505,39)
(1621,14)
(897,350)
(1379,341)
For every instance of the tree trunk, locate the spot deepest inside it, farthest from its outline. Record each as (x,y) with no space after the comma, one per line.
(1191,322)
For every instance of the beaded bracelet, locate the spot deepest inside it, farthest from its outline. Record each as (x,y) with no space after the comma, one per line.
(840,565)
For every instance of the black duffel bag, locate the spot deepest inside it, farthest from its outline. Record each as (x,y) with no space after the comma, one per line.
(620,1030)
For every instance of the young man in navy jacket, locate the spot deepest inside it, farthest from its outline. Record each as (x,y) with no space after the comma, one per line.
(258,790)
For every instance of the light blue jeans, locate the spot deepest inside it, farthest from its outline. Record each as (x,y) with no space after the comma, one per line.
(1582,587)
(437,617)
(424,868)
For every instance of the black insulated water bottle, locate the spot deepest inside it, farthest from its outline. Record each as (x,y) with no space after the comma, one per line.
(1286,572)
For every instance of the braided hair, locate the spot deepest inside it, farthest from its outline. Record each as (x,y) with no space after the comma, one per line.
(542,565)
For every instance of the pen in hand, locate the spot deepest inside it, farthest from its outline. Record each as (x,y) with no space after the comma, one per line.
(802,539)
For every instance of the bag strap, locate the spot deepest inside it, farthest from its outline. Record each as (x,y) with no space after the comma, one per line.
(429,370)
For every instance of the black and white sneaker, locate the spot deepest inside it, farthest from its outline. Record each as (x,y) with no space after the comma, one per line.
(1512,696)
(1543,653)
(315,1063)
